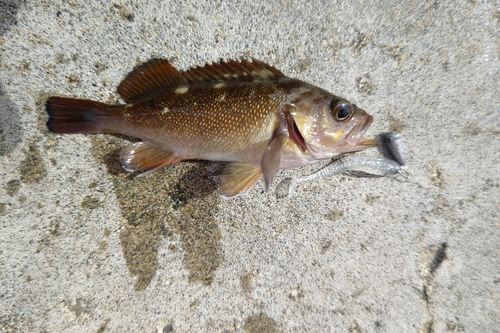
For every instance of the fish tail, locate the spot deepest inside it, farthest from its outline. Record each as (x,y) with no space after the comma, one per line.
(69,115)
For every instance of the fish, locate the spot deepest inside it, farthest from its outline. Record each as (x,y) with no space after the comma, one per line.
(243,112)
(363,166)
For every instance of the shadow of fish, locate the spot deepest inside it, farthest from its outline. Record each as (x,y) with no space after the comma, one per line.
(246,113)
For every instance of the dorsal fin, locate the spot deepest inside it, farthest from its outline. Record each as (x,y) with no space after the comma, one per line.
(152,77)
(232,71)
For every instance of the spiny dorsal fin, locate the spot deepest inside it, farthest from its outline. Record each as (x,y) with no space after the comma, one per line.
(232,71)
(154,76)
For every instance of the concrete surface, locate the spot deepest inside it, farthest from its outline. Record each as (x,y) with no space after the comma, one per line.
(85,247)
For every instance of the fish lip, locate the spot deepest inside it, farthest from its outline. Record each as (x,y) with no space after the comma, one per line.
(355,135)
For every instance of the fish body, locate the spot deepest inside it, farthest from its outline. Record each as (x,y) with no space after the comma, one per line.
(247,113)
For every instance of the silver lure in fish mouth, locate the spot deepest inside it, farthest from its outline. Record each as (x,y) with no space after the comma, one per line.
(354,137)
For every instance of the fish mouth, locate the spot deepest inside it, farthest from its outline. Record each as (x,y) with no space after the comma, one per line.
(355,136)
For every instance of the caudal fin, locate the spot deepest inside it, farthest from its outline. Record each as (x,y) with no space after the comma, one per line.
(68,115)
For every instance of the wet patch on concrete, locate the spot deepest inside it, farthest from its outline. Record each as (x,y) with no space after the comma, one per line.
(246,283)
(396,124)
(13,186)
(365,85)
(11,132)
(102,328)
(182,200)
(355,328)
(360,42)
(124,13)
(3,208)
(334,214)
(90,202)
(260,323)
(49,235)
(197,201)
(32,168)
(436,174)
(431,258)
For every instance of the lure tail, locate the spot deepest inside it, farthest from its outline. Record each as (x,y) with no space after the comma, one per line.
(68,115)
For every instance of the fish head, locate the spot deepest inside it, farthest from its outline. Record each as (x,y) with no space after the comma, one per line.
(330,125)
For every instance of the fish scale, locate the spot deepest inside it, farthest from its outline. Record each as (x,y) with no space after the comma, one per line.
(247,113)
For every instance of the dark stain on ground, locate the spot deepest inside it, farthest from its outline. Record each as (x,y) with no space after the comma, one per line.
(3,209)
(394,51)
(439,257)
(454,327)
(90,202)
(327,244)
(359,42)
(98,67)
(197,201)
(371,199)
(15,322)
(441,205)
(396,124)
(334,214)
(125,14)
(103,326)
(32,168)
(64,59)
(13,187)
(365,85)
(260,323)
(50,235)
(436,176)
(296,294)
(11,132)
(355,328)
(10,126)
(74,80)
(302,65)
(246,283)
(496,16)
(427,328)
(167,329)
(431,258)
(182,200)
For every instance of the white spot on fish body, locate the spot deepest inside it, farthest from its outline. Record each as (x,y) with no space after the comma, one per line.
(165,110)
(181,90)
(220,85)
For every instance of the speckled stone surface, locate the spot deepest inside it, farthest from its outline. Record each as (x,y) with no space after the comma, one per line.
(85,247)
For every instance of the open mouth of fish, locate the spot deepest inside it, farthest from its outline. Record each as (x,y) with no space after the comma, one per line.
(355,136)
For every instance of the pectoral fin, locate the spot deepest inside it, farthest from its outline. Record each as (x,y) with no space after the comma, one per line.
(238,178)
(144,157)
(272,158)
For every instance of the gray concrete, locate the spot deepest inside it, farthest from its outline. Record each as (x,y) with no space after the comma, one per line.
(85,247)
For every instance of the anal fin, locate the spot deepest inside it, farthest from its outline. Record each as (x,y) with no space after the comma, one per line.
(238,178)
(144,157)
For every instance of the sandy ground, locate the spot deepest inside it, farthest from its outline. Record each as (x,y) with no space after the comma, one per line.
(85,247)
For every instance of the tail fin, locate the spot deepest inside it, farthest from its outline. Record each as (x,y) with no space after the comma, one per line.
(68,115)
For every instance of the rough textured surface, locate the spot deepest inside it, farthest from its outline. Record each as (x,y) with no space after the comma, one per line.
(86,247)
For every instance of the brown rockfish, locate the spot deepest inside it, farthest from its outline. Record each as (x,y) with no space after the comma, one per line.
(247,113)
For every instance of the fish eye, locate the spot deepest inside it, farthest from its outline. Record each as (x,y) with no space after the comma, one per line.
(342,111)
